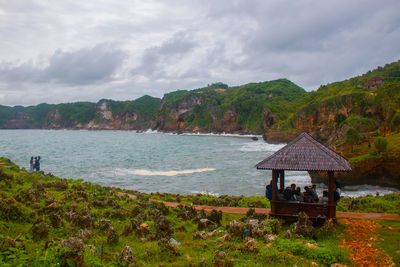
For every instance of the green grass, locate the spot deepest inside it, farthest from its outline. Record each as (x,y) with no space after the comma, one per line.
(25,198)
(389,203)
(388,239)
(365,157)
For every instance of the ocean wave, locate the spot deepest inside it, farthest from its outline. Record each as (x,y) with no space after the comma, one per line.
(142,172)
(364,190)
(260,146)
(223,134)
(205,193)
(151,131)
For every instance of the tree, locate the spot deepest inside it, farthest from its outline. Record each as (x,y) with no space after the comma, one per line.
(395,122)
(380,144)
(352,136)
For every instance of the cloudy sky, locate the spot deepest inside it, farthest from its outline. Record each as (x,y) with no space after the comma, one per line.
(65,51)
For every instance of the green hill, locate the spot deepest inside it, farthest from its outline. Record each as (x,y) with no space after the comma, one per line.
(206,108)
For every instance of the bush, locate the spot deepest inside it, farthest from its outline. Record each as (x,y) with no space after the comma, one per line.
(395,122)
(375,134)
(361,123)
(380,144)
(353,136)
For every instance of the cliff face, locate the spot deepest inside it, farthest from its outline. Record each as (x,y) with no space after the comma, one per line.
(325,121)
(175,114)
(179,116)
(229,109)
(105,120)
(383,171)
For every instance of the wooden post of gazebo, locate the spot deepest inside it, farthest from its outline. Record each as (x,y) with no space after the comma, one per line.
(282,179)
(274,189)
(304,154)
(331,195)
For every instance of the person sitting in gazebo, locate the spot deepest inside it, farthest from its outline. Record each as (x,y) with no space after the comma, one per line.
(281,196)
(297,196)
(324,199)
(314,193)
(268,191)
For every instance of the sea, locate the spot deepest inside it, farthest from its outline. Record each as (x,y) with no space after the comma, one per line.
(157,162)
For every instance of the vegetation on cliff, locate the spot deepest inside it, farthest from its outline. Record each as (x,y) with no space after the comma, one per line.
(271,106)
(222,108)
(71,115)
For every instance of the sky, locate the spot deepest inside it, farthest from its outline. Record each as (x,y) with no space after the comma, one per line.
(68,51)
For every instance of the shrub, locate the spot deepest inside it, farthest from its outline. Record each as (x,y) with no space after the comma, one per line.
(361,123)
(375,134)
(352,136)
(395,122)
(380,144)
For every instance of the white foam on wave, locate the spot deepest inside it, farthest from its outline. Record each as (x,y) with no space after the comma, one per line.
(151,131)
(142,172)
(205,193)
(260,146)
(222,134)
(365,189)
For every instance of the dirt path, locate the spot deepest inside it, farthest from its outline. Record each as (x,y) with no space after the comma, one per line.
(237,210)
(360,237)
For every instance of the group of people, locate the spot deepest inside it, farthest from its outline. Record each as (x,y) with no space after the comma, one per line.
(34,164)
(293,193)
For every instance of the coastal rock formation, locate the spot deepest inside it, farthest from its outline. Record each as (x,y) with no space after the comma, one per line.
(383,171)
(326,121)
(176,112)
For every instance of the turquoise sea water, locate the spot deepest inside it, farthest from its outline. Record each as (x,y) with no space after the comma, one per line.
(154,162)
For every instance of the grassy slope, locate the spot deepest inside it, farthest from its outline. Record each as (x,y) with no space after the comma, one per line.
(27,200)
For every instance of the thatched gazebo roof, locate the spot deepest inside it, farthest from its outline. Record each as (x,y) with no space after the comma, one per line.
(305,154)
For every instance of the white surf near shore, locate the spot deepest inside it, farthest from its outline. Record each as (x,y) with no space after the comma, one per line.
(260,146)
(161,173)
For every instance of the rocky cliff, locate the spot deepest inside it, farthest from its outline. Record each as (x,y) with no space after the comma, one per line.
(225,109)
(327,121)
(383,171)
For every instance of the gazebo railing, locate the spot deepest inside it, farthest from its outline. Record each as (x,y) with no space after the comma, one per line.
(292,209)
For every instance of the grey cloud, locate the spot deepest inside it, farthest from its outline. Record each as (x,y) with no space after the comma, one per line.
(155,57)
(84,66)
(163,46)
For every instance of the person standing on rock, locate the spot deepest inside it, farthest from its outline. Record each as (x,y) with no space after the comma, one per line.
(36,166)
(31,165)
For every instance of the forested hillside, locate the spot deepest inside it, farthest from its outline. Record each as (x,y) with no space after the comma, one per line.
(105,114)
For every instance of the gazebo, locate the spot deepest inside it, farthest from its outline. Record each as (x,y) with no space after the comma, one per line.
(304,154)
